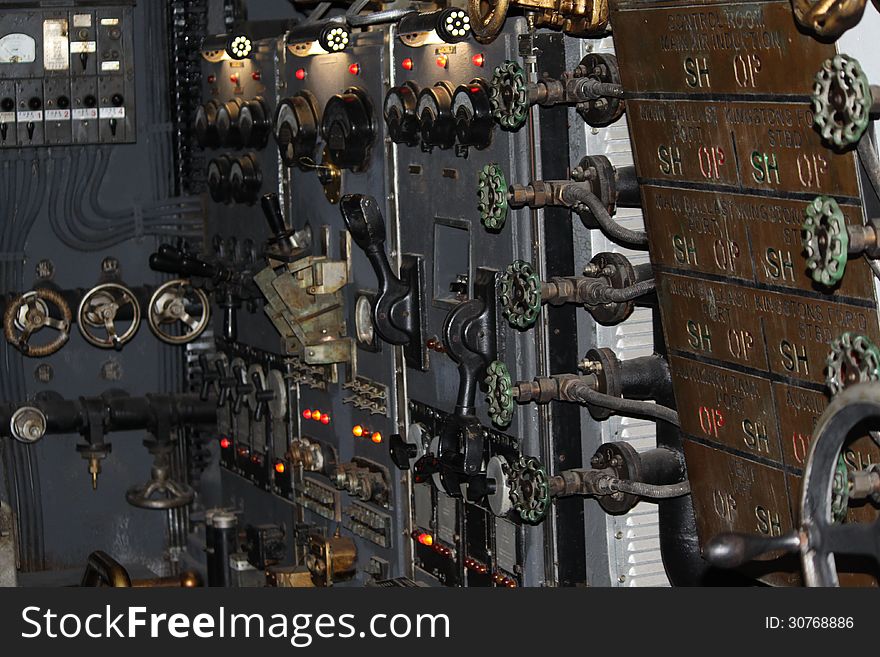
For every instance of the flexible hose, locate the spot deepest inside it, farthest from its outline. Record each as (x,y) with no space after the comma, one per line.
(583,393)
(624,294)
(576,194)
(653,491)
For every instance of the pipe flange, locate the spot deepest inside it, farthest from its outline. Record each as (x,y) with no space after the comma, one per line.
(520,294)
(606,110)
(509,96)
(492,192)
(529,489)
(854,358)
(825,241)
(841,101)
(499,394)
(487,24)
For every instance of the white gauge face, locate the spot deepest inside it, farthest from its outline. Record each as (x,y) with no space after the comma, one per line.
(214,172)
(393,102)
(17,49)
(363,321)
(429,104)
(236,175)
(462,100)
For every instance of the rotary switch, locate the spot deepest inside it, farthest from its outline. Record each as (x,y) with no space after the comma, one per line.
(296,129)
(473,114)
(254,124)
(229,123)
(245,179)
(399,110)
(218,179)
(436,121)
(206,125)
(348,129)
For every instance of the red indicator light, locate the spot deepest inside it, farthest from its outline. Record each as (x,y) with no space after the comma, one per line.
(357,431)
(225,443)
(234,78)
(426,539)
(307,414)
(279,467)
(407,64)
(300,74)
(376,437)
(479,59)
(212,79)
(256,76)
(325,419)
(442,61)
(354,69)
(317,415)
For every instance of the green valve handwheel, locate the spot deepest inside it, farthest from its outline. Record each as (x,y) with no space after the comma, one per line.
(840,491)
(825,240)
(493,197)
(853,359)
(529,489)
(520,294)
(509,96)
(500,394)
(841,101)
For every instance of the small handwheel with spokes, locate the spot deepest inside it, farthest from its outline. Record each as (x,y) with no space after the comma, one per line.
(825,241)
(99,311)
(492,192)
(160,492)
(32,312)
(853,358)
(499,394)
(529,489)
(178,312)
(509,96)
(841,101)
(520,294)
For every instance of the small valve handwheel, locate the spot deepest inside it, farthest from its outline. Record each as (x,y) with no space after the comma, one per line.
(487,18)
(29,314)
(529,489)
(854,358)
(520,294)
(160,492)
(99,311)
(825,240)
(499,394)
(840,491)
(169,312)
(509,96)
(828,18)
(841,101)
(493,197)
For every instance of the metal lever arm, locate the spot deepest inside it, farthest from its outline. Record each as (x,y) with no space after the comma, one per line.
(731,550)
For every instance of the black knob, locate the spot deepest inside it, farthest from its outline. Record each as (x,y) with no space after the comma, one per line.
(7,104)
(117,100)
(35,103)
(401,451)
(364,221)
(271,205)
(90,101)
(63,102)
(730,550)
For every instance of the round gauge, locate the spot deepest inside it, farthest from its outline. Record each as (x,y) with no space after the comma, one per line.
(254,123)
(363,321)
(436,121)
(399,111)
(206,125)
(218,178)
(228,128)
(348,129)
(245,179)
(296,128)
(473,114)
(17,48)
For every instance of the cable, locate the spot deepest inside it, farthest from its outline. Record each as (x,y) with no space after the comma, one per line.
(624,294)
(582,392)
(654,491)
(577,195)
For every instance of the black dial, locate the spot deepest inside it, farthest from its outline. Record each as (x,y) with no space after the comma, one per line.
(473,114)
(399,111)
(296,128)
(228,126)
(206,125)
(218,179)
(436,121)
(254,123)
(348,129)
(245,179)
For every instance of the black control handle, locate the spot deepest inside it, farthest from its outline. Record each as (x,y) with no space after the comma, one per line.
(172,260)
(731,550)
(262,395)
(208,377)
(242,388)
(401,451)
(225,381)
(394,311)
(271,205)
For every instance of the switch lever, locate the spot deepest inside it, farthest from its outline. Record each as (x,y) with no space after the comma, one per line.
(731,550)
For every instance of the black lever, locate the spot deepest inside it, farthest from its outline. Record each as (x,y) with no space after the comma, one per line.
(242,388)
(262,396)
(172,260)
(225,380)
(469,339)
(394,312)
(731,550)
(401,451)
(208,377)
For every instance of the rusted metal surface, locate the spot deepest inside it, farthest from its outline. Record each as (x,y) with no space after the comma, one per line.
(717,97)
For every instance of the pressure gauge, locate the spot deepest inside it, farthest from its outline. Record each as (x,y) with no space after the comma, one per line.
(218,179)
(17,48)
(363,323)
(473,114)
(348,129)
(245,179)
(254,124)
(228,127)
(436,121)
(206,125)
(296,128)
(399,111)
